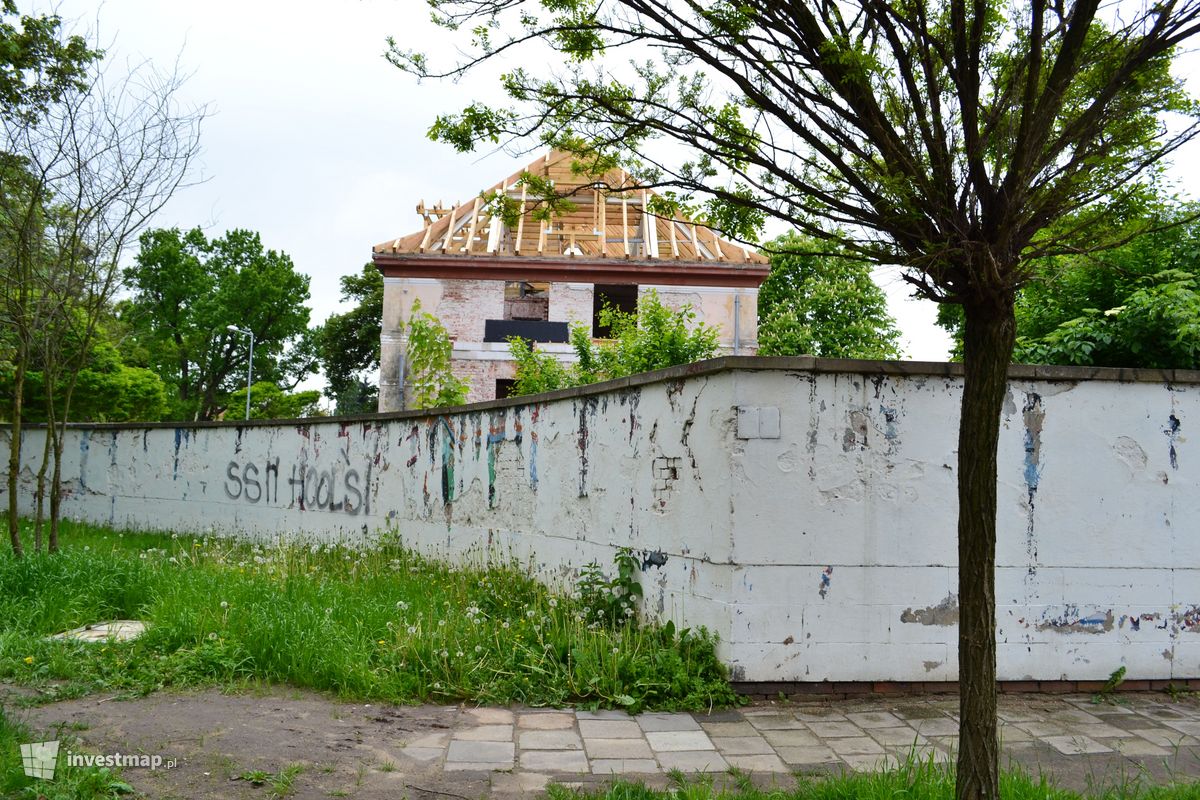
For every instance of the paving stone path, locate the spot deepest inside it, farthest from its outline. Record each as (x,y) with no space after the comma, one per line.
(1138,733)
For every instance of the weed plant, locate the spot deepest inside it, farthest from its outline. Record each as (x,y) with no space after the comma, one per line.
(382,623)
(913,779)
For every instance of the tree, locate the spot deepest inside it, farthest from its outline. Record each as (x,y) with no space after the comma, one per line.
(654,337)
(349,344)
(187,293)
(822,306)
(90,158)
(1134,306)
(37,68)
(944,137)
(429,350)
(268,401)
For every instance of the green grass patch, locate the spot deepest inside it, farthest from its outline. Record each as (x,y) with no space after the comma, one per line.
(70,783)
(382,623)
(912,780)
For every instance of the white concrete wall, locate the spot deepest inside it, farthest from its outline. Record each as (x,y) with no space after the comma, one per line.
(806,508)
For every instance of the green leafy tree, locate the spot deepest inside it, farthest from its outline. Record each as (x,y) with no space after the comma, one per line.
(88,156)
(38,68)
(349,344)
(654,337)
(1133,306)
(268,401)
(945,137)
(188,291)
(822,305)
(429,349)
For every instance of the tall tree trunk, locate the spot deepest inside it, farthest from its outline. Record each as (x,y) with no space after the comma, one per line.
(988,338)
(40,514)
(14,448)
(57,433)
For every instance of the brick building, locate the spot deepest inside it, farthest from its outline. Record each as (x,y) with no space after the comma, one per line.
(487,280)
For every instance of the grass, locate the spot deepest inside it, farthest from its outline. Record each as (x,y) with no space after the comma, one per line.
(912,780)
(380,624)
(70,783)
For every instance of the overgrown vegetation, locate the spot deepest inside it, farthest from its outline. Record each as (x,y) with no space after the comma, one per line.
(654,337)
(70,783)
(912,780)
(428,371)
(382,624)
(1135,306)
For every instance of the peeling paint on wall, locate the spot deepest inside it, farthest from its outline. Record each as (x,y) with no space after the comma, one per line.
(943,614)
(826,581)
(1172,432)
(1072,621)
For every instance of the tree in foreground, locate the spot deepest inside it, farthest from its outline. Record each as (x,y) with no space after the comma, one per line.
(90,153)
(822,305)
(942,136)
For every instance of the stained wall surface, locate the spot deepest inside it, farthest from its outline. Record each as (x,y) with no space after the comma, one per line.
(803,509)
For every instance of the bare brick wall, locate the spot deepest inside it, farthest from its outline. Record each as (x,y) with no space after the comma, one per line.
(571,302)
(466,304)
(481,376)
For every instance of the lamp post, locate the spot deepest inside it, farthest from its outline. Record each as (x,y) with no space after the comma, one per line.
(249,363)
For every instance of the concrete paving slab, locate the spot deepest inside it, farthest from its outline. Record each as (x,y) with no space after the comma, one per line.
(624,766)
(549,740)
(668,722)
(693,761)
(546,722)
(742,745)
(554,761)
(678,741)
(609,729)
(618,749)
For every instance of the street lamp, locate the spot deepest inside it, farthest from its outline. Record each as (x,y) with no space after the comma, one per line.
(249,363)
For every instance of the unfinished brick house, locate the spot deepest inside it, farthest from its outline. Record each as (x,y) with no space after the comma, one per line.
(486,280)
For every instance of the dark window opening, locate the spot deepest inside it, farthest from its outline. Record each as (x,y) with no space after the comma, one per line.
(622,297)
(505,387)
(526,300)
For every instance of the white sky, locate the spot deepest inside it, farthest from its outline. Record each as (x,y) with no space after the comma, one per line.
(319,144)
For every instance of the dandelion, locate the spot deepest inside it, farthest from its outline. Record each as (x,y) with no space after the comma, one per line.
(529,613)
(224,604)
(505,625)
(441,622)
(553,602)
(616,650)
(438,685)
(212,637)
(459,654)
(412,629)
(328,611)
(173,560)
(142,556)
(445,653)
(628,611)
(403,606)
(478,648)
(29,659)
(381,641)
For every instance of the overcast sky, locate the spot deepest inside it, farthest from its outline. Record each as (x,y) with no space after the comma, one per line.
(317,143)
